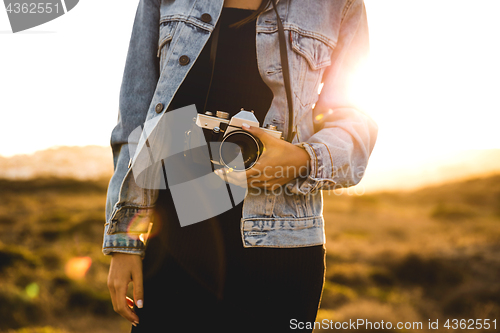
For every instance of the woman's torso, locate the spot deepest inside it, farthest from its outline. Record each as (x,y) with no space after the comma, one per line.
(273,220)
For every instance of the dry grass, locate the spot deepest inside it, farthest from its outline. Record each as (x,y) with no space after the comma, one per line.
(43,224)
(430,254)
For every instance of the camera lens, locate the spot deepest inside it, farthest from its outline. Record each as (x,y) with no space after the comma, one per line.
(240,143)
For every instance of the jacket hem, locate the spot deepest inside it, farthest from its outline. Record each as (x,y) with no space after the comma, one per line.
(283,232)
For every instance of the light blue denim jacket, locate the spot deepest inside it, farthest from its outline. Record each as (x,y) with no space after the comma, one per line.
(327,39)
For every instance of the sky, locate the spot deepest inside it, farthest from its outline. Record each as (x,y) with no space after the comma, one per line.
(432,81)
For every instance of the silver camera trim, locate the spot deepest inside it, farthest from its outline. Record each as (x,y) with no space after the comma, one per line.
(210,122)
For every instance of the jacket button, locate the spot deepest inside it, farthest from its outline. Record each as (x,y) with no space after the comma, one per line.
(159,108)
(206,18)
(184,60)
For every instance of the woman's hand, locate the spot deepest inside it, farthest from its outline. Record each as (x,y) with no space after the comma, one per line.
(280,163)
(126,268)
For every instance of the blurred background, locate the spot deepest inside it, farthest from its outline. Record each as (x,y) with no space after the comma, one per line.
(417,239)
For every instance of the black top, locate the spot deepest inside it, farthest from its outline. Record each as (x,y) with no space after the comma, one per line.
(237,82)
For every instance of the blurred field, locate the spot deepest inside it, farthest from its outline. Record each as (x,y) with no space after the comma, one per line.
(429,254)
(412,256)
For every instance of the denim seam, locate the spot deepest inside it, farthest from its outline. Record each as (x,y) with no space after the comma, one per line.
(136,250)
(277,229)
(346,10)
(298,132)
(163,42)
(315,161)
(306,33)
(316,66)
(126,233)
(122,247)
(284,219)
(112,222)
(304,105)
(309,109)
(179,33)
(331,158)
(187,19)
(118,206)
(284,246)
(171,54)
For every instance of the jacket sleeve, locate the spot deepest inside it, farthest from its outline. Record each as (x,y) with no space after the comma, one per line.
(344,135)
(139,82)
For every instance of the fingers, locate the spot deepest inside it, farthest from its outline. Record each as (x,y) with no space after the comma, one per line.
(138,287)
(130,302)
(121,307)
(258,132)
(242,179)
(256,171)
(236,178)
(260,180)
(112,293)
(121,270)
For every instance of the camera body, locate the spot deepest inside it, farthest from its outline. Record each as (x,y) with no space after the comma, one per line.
(233,139)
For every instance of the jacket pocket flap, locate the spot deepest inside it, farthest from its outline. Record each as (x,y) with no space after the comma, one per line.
(315,51)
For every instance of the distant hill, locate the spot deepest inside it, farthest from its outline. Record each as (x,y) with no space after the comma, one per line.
(93,162)
(89,162)
(450,167)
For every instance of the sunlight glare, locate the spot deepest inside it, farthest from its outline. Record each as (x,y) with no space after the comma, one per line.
(32,290)
(77,267)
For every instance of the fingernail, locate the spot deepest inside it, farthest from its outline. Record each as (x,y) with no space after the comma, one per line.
(139,304)
(245,126)
(134,324)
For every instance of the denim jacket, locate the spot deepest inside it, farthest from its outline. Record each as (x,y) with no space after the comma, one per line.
(327,39)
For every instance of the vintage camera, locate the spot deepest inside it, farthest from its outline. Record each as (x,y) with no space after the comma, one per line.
(233,140)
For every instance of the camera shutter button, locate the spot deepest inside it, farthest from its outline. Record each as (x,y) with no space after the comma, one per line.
(271,127)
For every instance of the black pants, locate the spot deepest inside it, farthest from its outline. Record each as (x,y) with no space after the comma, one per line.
(200,278)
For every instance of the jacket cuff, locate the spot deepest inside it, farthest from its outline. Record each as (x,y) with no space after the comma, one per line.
(128,230)
(123,244)
(320,166)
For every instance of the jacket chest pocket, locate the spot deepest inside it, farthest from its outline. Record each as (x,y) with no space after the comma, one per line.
(311,57)
(166,33)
